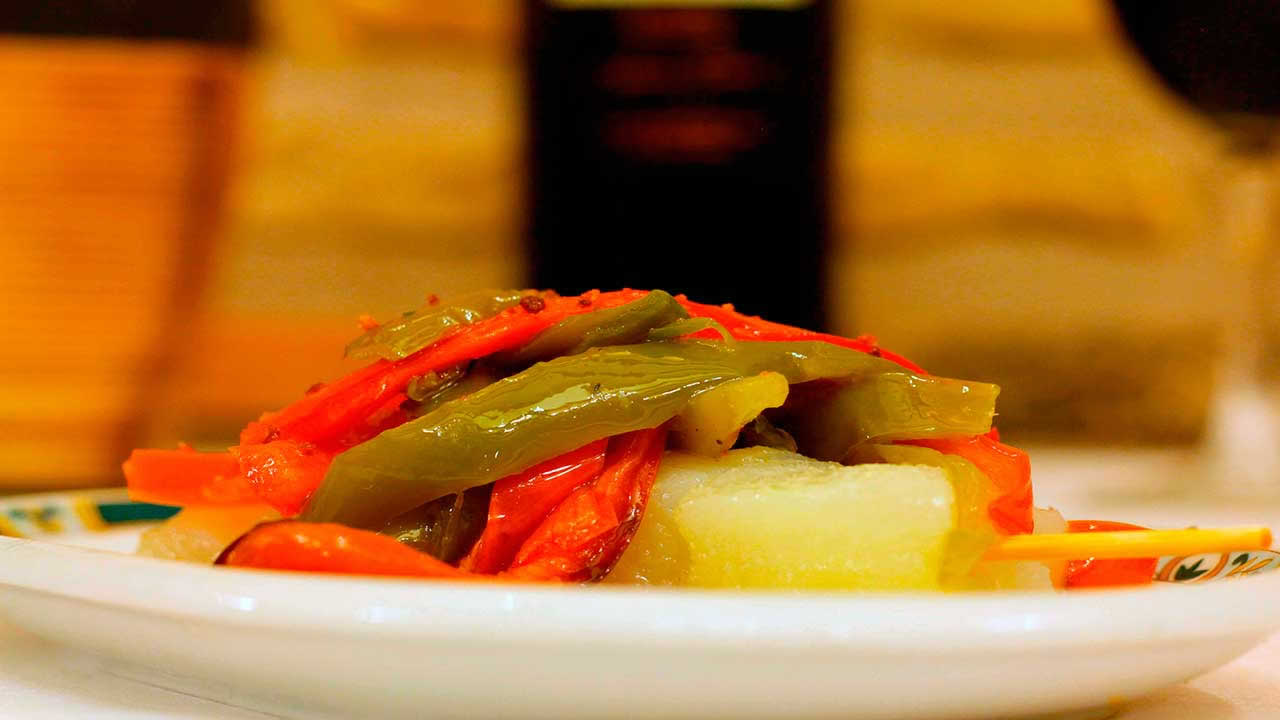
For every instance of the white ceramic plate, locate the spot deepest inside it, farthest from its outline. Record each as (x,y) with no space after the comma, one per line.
(305,645)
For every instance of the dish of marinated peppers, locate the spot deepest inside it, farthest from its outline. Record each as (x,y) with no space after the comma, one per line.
(629,437)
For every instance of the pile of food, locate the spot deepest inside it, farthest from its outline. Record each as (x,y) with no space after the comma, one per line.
(626,436)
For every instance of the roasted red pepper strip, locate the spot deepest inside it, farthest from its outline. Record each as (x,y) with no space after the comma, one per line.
(1009,469)
(582,538)
(1100,572)
(284,474)
(186,477)
(521,502)
(285,453)
(333,548)
(749,327)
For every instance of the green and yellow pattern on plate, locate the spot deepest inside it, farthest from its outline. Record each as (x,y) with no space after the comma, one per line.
(35,516)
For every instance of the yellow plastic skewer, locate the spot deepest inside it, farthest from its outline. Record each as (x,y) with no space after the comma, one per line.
(1130,543)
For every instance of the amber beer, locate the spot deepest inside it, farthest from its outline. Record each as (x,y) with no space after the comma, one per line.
(117,122)
(681,145)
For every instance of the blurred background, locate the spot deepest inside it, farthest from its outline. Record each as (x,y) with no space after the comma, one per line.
(198,199)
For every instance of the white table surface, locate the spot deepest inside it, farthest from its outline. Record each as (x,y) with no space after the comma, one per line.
(41,680)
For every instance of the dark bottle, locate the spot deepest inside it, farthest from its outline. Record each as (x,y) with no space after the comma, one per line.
(684,148)
(1222,57)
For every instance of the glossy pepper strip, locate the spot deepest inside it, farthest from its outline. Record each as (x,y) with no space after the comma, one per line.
(829,420)
(750,327)
(622,325)
(186,477)
(550,409)
(445,528)
(284,474)
(419,328)
(521,502)
(584,536)
(285,454)
(1100,572)
(1008,468)
(332,548)
(328,414)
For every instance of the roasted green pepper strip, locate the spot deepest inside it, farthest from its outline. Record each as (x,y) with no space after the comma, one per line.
(689,326)
(552,408)
(446,527)
(433,384)
(829,420)
(622,325)
(474,379)
(419,328)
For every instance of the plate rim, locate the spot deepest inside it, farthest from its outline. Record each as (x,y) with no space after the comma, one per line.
(521,615)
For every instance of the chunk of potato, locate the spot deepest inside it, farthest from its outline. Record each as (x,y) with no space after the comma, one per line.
(200,534)
(768,518)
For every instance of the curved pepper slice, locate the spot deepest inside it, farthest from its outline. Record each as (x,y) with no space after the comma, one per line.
(521,502)
(332,411)
(444,528)
(1107,572)
(829,420)
(283,474)
(279,453)
(584,536)
(621,325)
(332,548)
(701,328)
(750,327)
(187,477)
(417,329)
